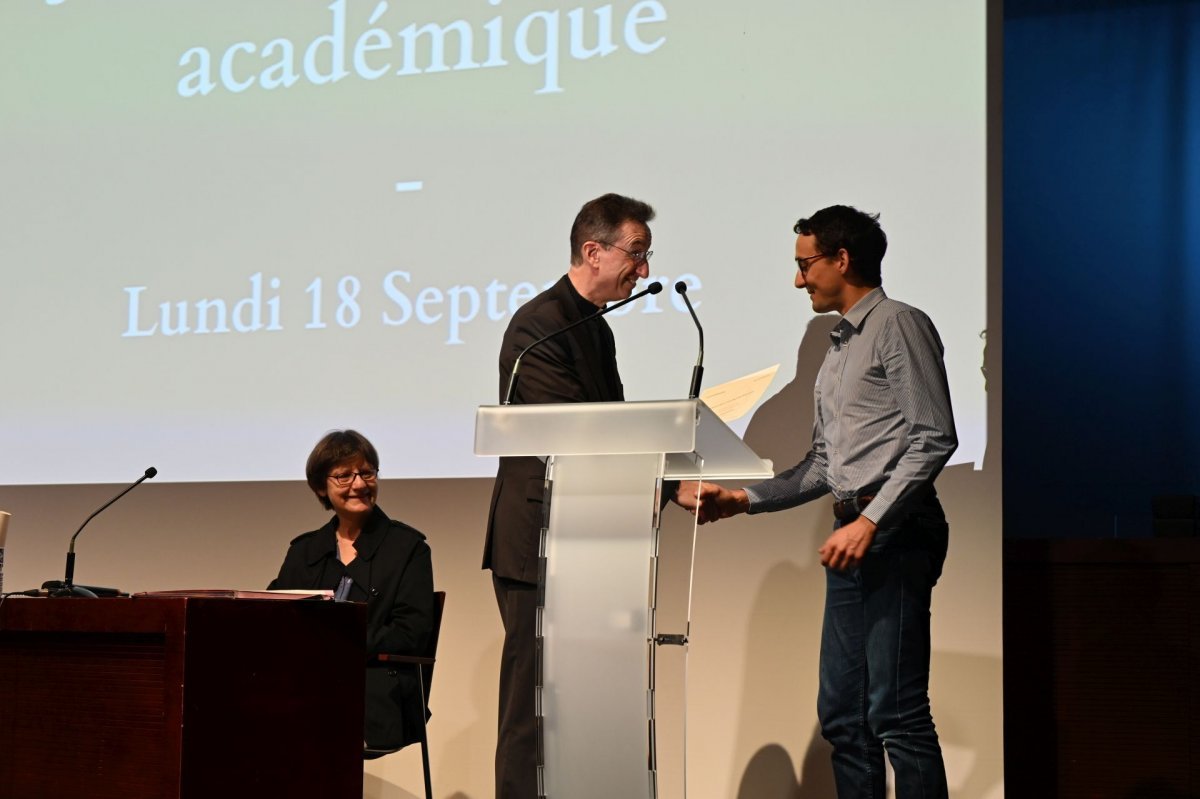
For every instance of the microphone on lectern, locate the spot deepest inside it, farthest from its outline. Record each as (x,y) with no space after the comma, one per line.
(698,369)
(653,288)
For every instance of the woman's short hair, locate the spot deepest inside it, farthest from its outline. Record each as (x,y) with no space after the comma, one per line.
(338,446)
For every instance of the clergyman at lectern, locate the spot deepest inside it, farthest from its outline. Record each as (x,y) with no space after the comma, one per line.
(610,251)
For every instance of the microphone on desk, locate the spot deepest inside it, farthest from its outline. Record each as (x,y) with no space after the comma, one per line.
(653,288)
(67,587)
(698,369)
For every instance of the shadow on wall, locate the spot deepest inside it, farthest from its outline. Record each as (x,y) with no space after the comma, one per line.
(771,774)
(781,429)
(783,630)
(779,693)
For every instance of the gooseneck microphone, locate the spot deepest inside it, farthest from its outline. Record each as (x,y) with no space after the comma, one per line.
(653,288)
(698,369)
(67,587)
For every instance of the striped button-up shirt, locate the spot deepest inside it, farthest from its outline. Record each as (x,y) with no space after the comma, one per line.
(883,420)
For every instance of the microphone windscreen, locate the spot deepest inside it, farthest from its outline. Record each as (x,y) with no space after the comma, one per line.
(681,287)
(654,287)
(151,472)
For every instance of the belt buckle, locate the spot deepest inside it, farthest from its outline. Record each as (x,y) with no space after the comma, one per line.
(844,509)
(848,509)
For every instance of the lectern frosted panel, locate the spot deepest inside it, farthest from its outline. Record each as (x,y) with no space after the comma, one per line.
(586,428)
(595,627)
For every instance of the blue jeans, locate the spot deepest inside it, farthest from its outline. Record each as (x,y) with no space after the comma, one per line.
(874,694)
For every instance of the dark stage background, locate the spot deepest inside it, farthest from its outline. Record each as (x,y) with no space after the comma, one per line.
(1100,392)
(1101,264)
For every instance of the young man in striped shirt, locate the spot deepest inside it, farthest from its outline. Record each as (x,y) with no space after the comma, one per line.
(883,431)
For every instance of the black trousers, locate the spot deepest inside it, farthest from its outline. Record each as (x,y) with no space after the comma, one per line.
(516,740)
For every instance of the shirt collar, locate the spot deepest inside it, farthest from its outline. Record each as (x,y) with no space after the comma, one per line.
(854,318)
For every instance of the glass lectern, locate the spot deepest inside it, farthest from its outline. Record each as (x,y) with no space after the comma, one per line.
(606,464)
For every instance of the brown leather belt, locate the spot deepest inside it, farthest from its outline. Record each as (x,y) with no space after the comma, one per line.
(845,510)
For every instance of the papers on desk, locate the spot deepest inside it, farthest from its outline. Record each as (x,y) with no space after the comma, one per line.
(230,593)
(734,399)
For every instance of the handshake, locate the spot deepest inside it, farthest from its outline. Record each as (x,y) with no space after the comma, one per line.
(709,502)
(843,550)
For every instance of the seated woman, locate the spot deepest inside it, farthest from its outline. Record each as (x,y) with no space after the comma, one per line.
(363,556)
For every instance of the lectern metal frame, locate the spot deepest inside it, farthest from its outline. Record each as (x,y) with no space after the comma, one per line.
(597,631)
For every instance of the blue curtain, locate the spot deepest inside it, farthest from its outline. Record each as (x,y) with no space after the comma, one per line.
(1101,264)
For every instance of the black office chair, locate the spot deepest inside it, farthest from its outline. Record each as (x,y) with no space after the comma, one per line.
(424,664)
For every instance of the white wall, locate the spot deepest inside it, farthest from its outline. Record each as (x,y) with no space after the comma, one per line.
(755,620)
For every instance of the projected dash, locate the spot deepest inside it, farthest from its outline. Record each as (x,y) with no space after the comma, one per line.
(410,185)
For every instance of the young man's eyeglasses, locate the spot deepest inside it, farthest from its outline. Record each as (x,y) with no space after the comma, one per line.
(803,264)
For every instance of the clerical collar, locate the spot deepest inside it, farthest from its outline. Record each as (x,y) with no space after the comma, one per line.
(585,306)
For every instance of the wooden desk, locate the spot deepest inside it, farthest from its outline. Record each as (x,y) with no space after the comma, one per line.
(181,697)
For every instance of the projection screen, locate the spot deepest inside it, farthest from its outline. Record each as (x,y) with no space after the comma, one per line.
(231,226)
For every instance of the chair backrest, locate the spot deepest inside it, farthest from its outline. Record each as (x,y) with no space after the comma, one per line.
(439,603)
